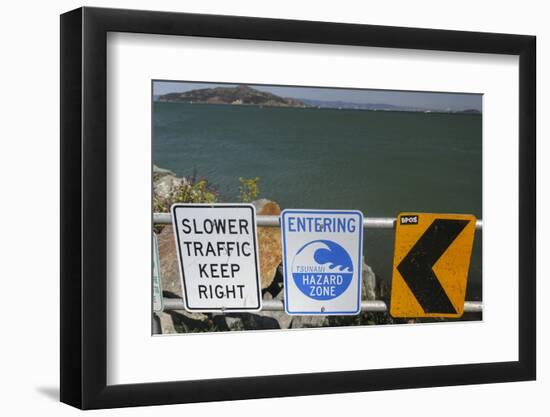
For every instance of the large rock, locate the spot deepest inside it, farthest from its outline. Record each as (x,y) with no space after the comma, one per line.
(171,288)
(169,269)
(269,241)
(275,292)
(301,322)
(166,323)
(159,172)
(165,187)
(244,321)
(191,322)
(368,289)
(270,247)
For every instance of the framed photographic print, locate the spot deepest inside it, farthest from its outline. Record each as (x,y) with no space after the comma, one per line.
(258,208)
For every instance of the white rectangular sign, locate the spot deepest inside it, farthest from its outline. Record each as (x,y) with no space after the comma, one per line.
(218,256)
(322,259)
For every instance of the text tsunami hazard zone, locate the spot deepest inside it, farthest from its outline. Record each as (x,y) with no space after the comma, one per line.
(322,262)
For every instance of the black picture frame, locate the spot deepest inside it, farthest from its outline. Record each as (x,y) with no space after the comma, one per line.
(84,207)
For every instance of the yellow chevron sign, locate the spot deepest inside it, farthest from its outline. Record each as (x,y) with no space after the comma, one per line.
(430,265)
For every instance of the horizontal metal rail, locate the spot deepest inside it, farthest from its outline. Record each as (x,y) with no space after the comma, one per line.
(274,221)
(171,304)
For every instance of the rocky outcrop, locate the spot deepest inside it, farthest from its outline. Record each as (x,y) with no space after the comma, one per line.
(269,241)
(169,269)
(166,323)
(270,247)
(159,172)
(368,290)
(183,321)
(165,185)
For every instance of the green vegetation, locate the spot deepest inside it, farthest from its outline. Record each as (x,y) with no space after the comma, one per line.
(192,190)
(196,192)
(249,189)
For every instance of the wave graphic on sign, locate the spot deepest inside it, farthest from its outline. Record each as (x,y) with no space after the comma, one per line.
(334,256)
(322,269)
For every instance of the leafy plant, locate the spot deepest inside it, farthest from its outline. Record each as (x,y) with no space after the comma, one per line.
(248,189)
(190,190)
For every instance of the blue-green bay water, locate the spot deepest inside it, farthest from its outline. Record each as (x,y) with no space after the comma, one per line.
(381,163)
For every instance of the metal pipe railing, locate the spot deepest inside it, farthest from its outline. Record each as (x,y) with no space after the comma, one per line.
(174,304)
(274,221)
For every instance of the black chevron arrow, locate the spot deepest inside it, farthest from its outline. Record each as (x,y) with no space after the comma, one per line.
(416,267)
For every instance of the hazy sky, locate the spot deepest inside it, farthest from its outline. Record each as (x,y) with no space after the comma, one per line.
(437,101)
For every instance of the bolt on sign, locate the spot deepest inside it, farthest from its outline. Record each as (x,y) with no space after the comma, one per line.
(430,265)
(322,253)
(218,256)
(157,288)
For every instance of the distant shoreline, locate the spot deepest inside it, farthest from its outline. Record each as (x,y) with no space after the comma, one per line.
(244,95)
(459,112)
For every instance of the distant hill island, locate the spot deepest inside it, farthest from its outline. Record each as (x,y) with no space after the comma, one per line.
(241,94)
(245,95)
